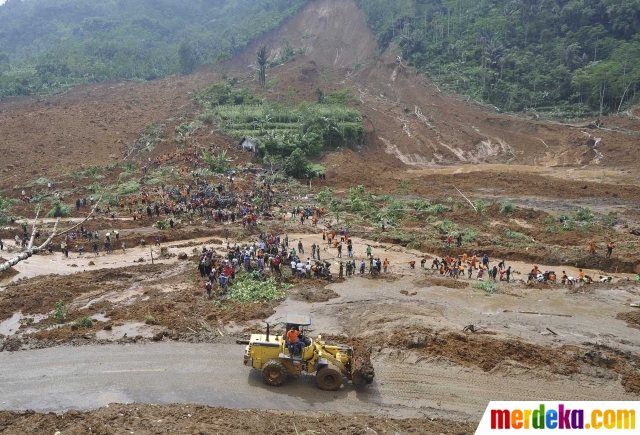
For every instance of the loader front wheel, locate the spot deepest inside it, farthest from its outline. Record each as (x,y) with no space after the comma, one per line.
(274,373)
(329,378)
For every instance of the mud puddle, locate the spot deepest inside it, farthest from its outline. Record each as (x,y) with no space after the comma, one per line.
(128,330)
(12,325)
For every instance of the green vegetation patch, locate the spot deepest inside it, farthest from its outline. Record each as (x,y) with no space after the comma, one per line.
(247,289)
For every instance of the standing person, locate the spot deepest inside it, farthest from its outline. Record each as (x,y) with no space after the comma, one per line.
(459,239)
(368,250)
(610,247)
(385,265)
(339,250)
(362,267)
(494,272)
(95,248)
(592,247)
(485,261)
(508,273)
(300,248)
(117,233)
(341,275)
(207,289)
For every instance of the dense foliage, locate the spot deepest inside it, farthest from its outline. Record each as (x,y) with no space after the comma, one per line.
(553,55)
(246,288)
(50,45)
(279,130)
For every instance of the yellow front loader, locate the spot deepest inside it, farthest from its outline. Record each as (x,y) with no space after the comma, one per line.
(274,357)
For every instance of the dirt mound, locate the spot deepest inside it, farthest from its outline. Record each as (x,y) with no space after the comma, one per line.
(6,275)
(195,419)
(310,294)
(487,352)
(631,317)
(361,367)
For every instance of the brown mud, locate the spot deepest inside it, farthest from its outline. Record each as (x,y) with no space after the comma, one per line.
(154,419)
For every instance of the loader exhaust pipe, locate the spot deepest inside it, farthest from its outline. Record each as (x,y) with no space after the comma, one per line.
(267,332)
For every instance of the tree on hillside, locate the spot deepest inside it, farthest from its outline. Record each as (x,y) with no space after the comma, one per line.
(188,58)
(263,57)
(297,165)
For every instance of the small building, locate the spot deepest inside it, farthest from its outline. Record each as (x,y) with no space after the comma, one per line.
(247,144)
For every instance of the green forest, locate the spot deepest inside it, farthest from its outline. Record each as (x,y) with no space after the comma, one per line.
(567,58)
(49,46)
(564,57)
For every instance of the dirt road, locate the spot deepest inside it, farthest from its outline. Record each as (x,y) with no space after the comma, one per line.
(90,377)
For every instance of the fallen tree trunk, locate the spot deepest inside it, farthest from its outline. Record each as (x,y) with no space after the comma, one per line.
(30,251)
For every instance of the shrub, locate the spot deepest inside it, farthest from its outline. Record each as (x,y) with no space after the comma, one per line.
(515,235)
(59,209)
(324,195)
(131,186)
(469,235)
(480,206)
(5,206)
(507,207)
(584,214)
(431,219)
(129,166)
(486,286)
(444,227)
(60,311)
(610,219)
(42,181)
(150,320)
(83,322)
(421,205)
(438,208)
(206,118)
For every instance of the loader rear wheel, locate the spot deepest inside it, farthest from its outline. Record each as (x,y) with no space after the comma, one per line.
(329,378)
(274,373)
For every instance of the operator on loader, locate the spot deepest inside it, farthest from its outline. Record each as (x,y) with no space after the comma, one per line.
(295,345)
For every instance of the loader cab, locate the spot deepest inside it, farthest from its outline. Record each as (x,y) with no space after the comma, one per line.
(302,323)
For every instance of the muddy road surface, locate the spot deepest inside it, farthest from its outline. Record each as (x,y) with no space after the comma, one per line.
(90,377)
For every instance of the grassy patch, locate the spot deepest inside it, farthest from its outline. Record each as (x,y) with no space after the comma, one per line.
(83,322)
(131,186)
(486,286)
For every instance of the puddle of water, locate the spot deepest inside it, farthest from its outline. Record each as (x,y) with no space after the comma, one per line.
(100,317)
(131,329)
(11,326)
